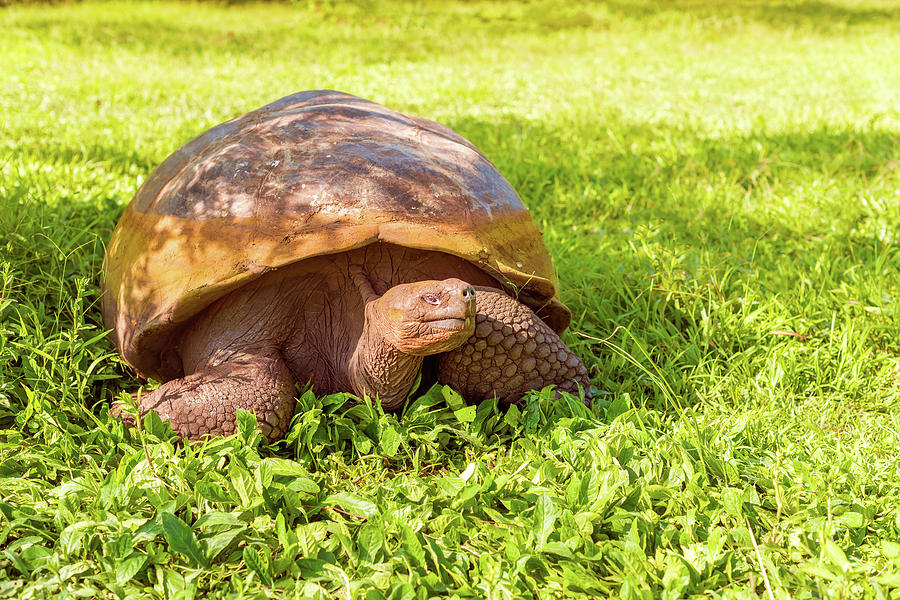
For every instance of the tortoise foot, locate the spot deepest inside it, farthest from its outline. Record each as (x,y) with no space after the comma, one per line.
(206,402)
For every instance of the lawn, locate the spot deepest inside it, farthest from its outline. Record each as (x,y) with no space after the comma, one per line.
(719,186)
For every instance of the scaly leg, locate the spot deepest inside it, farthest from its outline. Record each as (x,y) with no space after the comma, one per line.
(511,352)
(206,402)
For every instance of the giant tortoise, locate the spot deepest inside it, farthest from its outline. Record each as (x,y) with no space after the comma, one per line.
(324,239)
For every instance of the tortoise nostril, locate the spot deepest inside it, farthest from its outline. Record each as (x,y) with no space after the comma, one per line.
(468,293)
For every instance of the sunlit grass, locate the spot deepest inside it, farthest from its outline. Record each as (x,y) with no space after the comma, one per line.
(719,186)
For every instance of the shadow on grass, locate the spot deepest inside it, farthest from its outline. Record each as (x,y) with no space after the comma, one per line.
(645,161)
(777,14)
(297,37)
(366,32)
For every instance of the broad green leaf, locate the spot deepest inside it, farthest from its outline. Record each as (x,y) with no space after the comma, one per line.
(544,519)
(890,549)
(559,549)
(17,562)
(369,541)
(129,567)
(177,585)
(851,519)
(834,553)
(676,578)
(390,441)
(304,486)
(412,546)
(352,503)
(286,537)
(256,564)
(618,407)
(513,416)
(148,531)
(155,427)
(212,491)
(891,580)
(70,537)
(821,571)
(452,398)
(247,430)
(181,538)
(289,468)
(213,545)
(733,499)
(362,444)
(312,568)
(451,484)
(264,475)
(465,415)
(403,591)
(219,519)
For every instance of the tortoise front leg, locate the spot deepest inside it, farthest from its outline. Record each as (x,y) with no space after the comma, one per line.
(511,352)
(206,402)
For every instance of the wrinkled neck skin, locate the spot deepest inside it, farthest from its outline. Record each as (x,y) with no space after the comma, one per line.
(377,367)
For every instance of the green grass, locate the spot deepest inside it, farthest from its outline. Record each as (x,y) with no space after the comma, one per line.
(719,186)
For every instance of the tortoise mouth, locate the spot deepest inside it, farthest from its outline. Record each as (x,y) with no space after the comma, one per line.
(450,323)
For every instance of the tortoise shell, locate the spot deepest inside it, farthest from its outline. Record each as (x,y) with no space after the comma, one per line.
(314,173)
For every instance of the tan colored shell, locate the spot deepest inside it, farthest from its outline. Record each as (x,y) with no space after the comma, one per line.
(314,173)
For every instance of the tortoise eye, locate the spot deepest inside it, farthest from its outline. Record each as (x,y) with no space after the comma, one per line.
(431,299)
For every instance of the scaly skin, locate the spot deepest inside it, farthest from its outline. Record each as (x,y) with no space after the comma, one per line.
(206,403)
(511,352)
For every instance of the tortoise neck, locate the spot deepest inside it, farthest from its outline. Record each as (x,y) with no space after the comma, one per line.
(378,368)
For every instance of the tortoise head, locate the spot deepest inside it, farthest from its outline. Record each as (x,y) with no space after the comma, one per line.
(424,317)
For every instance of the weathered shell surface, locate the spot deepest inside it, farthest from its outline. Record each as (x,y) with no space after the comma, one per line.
(314,173)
